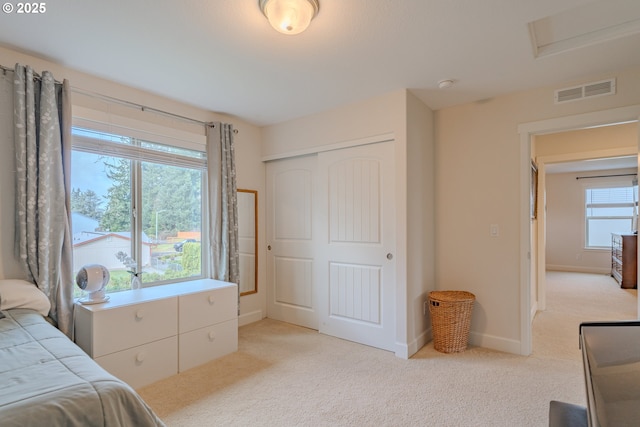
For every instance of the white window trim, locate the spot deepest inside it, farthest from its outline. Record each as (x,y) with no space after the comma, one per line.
(605,183)
(149,132)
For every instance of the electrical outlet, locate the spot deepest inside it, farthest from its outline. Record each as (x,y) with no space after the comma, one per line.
(424,308)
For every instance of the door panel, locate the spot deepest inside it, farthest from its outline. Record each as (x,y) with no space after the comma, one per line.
(354,201)
(355,292)
(290,254)
(356,279)
(294,281)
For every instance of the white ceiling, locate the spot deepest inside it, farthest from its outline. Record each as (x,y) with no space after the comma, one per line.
(222,55)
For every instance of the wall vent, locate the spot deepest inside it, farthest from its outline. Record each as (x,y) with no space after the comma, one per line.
(589,90)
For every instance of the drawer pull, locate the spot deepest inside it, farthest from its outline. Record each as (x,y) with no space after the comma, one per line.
(212,336)
(139,315)
(139,358)
(212,300)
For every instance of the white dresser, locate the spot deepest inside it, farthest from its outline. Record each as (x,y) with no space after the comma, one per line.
(152,333)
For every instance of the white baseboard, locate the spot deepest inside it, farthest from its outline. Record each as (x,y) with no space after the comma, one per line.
(246,318)
(578,269)
(406,351)
(534,310)
(494,343)
(475,339)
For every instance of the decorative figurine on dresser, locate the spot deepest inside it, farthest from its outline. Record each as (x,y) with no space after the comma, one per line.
(624,259)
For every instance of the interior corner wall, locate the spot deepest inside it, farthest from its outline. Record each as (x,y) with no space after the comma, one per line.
(250,175)
(478,185)
(420,176)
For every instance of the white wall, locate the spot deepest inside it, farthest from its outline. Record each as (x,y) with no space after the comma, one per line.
(478,184)
(420,176)
(250,170)
(585,143)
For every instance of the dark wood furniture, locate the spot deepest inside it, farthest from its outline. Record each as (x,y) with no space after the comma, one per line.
(624,259)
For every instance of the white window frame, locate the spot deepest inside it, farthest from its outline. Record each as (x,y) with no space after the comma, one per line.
(609,184)
(138,155)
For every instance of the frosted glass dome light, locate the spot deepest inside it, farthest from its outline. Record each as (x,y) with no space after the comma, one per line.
(289,16)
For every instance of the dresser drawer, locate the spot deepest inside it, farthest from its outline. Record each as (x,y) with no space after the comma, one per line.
(202,345)
(145,364)
(127,326)
(206,308)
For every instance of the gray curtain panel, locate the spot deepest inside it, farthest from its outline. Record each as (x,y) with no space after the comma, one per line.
(223,206)
(42,138)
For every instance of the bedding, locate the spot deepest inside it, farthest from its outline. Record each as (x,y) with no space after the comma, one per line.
(16,293)
(49,381)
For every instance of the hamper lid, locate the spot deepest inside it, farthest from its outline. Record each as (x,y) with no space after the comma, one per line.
(449,296)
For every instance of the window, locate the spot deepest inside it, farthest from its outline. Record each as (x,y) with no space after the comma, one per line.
(137,206)
(609,210)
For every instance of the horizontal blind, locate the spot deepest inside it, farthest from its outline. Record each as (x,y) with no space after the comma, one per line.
(90,141)
(610,196)
(109,121)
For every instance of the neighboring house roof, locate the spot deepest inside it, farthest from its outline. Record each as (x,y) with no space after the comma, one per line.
(82,223)
(85,231)
(83,237)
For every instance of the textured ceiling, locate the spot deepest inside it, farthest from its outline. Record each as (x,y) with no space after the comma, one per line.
(222,55)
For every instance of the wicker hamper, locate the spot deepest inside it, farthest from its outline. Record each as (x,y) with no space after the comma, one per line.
(450,319)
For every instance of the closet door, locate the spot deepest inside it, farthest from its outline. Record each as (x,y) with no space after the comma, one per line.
(356,244)
(291,283)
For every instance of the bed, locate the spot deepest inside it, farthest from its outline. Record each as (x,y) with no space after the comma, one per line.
(47,380)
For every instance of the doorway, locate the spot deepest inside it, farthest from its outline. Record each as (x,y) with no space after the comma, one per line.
(577,247)
(531,253)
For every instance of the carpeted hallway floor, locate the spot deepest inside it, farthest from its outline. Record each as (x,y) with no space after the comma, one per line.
(284,375)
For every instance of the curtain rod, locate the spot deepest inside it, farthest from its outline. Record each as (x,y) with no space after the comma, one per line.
(606,176)
(136,106)
(141,107)
(126,103)
(36,76)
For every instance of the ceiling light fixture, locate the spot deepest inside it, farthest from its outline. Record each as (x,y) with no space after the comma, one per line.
(289,16)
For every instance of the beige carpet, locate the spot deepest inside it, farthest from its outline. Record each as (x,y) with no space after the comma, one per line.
(284,375)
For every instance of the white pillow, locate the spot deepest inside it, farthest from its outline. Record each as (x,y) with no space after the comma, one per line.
(16,293)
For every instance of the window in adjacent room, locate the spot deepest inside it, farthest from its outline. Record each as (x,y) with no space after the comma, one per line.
(137,206)
(609,210)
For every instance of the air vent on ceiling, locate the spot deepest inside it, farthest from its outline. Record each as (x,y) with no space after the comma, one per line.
(590,90)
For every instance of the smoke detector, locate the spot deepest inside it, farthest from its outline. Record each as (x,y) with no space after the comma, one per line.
(444,84)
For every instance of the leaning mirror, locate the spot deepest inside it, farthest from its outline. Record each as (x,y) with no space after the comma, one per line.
(248,241)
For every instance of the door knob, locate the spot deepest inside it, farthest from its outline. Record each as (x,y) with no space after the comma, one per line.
(269,247)
(389,256)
